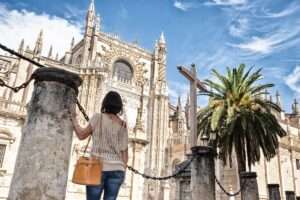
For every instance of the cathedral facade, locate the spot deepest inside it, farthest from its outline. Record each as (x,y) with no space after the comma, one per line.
(104,63)
(158,131)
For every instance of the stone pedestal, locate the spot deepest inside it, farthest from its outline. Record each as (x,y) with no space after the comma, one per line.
(203,173)
(183,183)
(41,168)
(274,193)
(249,186)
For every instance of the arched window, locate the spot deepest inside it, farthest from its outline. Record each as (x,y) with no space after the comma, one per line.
(123,70)
(78,59)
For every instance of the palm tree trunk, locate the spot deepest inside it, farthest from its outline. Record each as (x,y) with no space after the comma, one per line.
(241,168)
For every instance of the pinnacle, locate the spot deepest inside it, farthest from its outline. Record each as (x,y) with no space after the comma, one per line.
(162,38)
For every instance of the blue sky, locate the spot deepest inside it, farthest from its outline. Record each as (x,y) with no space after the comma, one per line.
(209,33)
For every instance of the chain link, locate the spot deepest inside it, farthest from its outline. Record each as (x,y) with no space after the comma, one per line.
(4,48)
(18,88)
(229,193)
(175,174)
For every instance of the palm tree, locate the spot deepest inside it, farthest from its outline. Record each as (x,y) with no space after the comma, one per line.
(239,119)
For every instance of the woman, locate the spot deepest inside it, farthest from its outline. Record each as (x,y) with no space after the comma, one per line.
(110,144)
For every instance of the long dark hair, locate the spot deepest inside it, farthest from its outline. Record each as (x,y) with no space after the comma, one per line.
(112,103)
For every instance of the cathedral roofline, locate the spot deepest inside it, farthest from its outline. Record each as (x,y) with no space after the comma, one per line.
(130,45)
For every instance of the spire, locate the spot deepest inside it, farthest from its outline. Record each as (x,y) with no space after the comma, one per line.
(21,46)
(162,38)
(278,99)
(50,52)
(179,108)
(295,107)
(179,101)
(92,6)
(72,43)
(187,110)
(97,24)
(56,57)
(90,19)
(161,57)
(39,44)
(271,98)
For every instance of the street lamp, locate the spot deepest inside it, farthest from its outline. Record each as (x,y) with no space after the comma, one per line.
(205,139)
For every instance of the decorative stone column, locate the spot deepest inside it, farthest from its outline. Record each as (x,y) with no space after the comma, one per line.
(41,168)
(203,173)
(137,181)
(274,193)
(249,186)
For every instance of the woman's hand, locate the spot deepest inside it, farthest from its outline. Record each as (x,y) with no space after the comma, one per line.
(73,114)
(81,132)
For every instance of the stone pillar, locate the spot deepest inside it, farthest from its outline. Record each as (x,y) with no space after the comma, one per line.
(41,168)
(290,195)
(274,193)
(183,182)
(249,186)
(137,181)
(203,173)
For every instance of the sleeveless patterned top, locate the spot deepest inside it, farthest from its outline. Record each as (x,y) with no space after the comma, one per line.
(109,139)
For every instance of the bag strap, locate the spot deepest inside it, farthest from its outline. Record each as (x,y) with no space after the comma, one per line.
(90,137)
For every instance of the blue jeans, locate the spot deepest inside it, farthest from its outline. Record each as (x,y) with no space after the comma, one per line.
(111,183)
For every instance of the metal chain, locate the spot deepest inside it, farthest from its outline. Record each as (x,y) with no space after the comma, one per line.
(4,48)
(228,193)
(18,88)
(175,174)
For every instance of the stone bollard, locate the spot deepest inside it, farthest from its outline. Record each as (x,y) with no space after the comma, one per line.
(274,193)
(41,169)
(249,186)
(203,173)
(183,183)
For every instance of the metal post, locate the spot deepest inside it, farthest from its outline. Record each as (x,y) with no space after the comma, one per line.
(41,169)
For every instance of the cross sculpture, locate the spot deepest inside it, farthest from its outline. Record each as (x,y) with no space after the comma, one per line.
(195,83)
(202,167)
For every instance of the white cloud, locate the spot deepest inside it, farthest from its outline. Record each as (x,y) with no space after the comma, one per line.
(239,27)
(281,39)
(15,25)
(177,89)
(257,45)
(184,6)
(74,12)
(226,2)
(293,79)
(292,8)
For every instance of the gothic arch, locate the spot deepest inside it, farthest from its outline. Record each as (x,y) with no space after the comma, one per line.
(125,61)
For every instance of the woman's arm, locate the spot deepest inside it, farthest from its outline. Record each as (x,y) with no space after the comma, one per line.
(81,132)
(124,155)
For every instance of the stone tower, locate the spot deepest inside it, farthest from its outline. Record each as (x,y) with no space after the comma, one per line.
(158,122)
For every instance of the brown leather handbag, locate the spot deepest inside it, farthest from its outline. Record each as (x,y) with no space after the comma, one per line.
(88,170)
